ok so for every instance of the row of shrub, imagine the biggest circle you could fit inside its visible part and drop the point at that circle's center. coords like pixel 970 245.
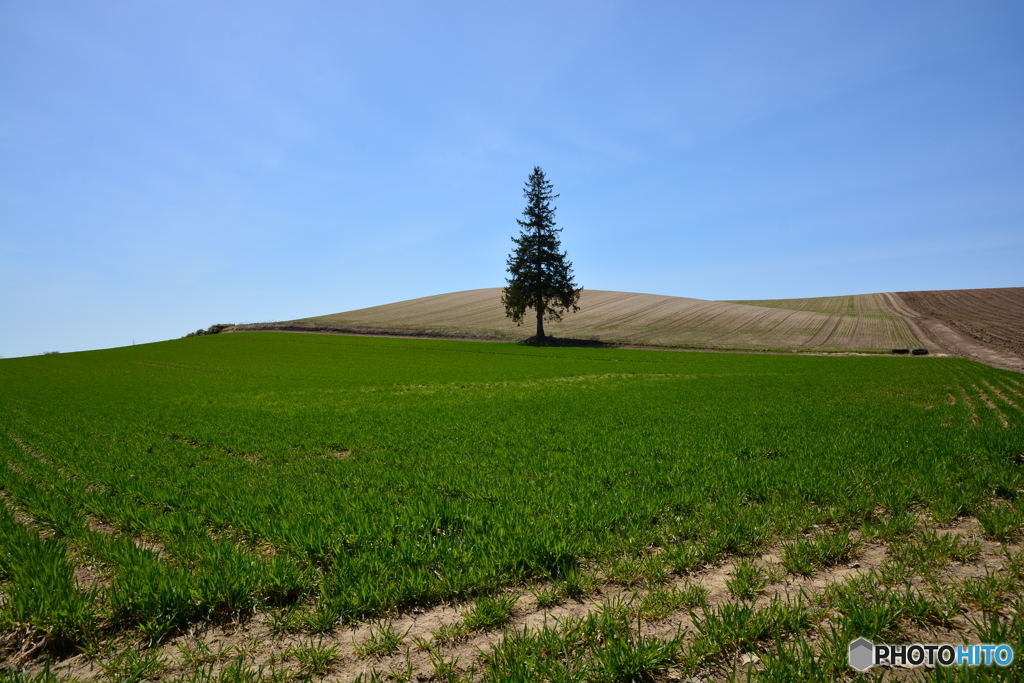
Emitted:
pixel 212 329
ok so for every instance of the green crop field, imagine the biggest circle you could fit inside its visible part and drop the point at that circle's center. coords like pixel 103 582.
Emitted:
pixel 314 481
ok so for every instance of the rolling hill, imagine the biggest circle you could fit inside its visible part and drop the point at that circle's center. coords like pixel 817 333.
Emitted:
pixel 859 323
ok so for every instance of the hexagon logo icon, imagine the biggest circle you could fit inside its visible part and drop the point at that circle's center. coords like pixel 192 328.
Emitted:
pixel 862 654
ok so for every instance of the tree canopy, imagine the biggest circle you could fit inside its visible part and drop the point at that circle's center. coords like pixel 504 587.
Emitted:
pixel 540 274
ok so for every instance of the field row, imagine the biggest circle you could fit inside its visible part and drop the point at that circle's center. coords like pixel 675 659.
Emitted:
pixel 858 305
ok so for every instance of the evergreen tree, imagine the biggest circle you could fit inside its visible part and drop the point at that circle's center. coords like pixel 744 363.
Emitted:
pixel 541 276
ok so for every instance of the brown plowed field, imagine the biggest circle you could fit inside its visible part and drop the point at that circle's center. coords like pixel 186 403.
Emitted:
pixel 859 305
pixel 858 323
pixel 985 324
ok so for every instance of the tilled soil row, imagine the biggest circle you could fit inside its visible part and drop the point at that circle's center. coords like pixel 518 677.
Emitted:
pixel 986 325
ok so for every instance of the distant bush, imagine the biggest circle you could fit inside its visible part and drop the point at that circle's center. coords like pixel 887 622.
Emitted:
pixel 212 329
pixel 901 350
pixel 920 352
pixel 50 353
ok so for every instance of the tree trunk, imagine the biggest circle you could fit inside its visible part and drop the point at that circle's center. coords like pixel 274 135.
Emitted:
pixel 539 304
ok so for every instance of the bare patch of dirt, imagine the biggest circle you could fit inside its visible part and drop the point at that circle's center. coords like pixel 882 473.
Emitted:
pixel 87 576
pixel 986 325
pixel 19 515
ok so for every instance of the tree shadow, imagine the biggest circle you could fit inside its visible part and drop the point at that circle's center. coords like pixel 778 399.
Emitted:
pixel 565 341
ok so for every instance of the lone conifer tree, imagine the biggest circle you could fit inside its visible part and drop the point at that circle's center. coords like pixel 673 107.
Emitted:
pixel 541 276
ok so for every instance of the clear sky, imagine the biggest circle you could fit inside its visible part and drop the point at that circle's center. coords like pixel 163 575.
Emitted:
pixel 169 165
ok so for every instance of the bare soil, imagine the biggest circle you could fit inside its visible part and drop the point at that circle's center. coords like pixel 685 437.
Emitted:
pixel 986 325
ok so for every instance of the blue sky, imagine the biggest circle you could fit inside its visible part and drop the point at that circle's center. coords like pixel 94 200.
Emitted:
pixel 169 165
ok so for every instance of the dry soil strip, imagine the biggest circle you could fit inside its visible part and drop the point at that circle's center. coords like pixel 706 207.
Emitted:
pixel 951 341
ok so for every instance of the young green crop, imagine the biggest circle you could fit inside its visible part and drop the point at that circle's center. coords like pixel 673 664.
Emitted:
pixel 344 477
